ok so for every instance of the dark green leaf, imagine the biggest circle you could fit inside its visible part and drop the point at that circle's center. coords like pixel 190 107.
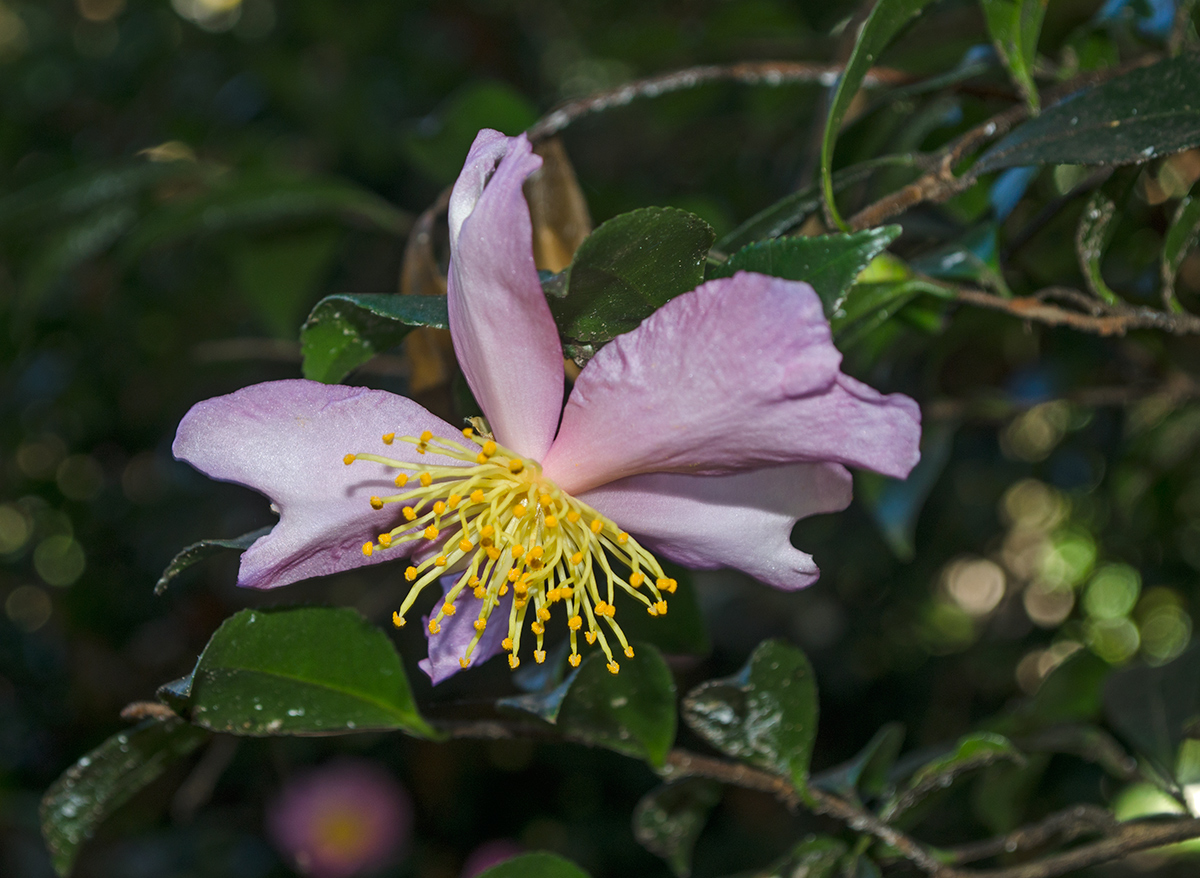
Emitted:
pixel 973 752
pixel 544 705
pixel 668 820
pixel 197 552
pixel 75 244
pixel 765 714
pixel 1151 707
pixel 682 630
pixel 280 273
pixel 830 263
pixel 815 857
pixel 1145 113
pixel 884 22
pixel 345 330
pixel 1073 692
pixel 301 671
pixel 870 305
pixel 632 712
pixel 1181 237
pixel 627 269
pixel 80 192
pixel 1014 26
pixel 103 780
pixel 1091 237
pixel 536 865
pixel 865 776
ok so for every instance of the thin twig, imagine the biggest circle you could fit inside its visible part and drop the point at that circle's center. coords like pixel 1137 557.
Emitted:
pixel 1103 319
pixel 1063 826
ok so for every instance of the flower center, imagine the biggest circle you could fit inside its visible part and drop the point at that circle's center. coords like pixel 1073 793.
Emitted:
pixel 500 524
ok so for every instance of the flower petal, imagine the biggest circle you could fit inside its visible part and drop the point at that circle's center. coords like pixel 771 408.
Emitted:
pixel 742 520
pixel 738 374
pixel 448 645
pixel 504 336
pixel 286 439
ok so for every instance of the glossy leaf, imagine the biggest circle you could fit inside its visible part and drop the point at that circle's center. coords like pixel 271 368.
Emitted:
pixel 348 329
pixel 632 712
pixel 535 865
pixel 1014 26
pixel 197 552
pixel 884 22
pixel 1133 118
pixel 668 820
pixel 1091 237
pixel 818 856
pixel 865 776
pixel 1151 707
pixel 628 268
pixel 830 263
pixel 1180 239
pixel 103 780
pixel 973 752
pixel 303 671
pixel 766 714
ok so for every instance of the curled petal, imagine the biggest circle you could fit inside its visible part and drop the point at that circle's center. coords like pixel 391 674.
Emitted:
pixel 738 374
pixel 287 439
pixel 448 645
pixel 504 335
pixel 743 520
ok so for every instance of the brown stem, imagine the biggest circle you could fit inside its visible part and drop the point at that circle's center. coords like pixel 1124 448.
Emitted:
pixel 1103 319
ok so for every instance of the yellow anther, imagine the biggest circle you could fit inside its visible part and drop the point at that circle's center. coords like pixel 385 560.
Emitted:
pixel 597 525
pixel 441 560
pixel 622 538
pixel 669 588
pixel 553 595
pixel 590 636
pixel 661 606
pixel 411 573
pixel 513 661
pixel 572 516
pixel 518 550
pixel 448 608
pixel 516 465
pixel 480 592
pixel 426 480
pixel 564 591
pixel 453 500
pixel 551 521
pixel 487 531
pixel 431 533
pixel 492 552
pixel 520 589
pixel 473 581
pixel 481 458
pixel 636 579
pixel 545 500
pixel 426 435
pixel 518 510
pixel 629 652
pixel 514 575
pixel 439 508
pixel 368 548
pixel 464 663
pixel 536 552
pixel 574 658
pixel 575 623
pixel 401 480
pixel 477 496
pixel 539 655
pixel 376 502
pixel 537 628
pixel 613 667
pixel 577 558
pixel 652 610
pixel 385 540
pixel 506 643
pixel 480 624
pixel 389 438
pixel 348 459
pixel 543 614
pixel 397 620
pixel 434 627
pixel 489 448
pixel 468 432
pixel 465 545
pixel 410 514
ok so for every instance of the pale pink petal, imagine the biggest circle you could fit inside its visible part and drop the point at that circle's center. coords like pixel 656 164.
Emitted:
pixel 504 336
pixel 448 645
pixel 742 520
pixel 738 374
pixel 286 439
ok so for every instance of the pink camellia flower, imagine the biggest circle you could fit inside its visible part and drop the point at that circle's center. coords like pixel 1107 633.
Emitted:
pixel 703 436
pixel 341 819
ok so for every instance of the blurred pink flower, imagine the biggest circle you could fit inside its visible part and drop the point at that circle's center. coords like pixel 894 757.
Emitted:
pixel 341 819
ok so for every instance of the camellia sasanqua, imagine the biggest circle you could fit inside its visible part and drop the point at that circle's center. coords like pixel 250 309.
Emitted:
pixel 701 436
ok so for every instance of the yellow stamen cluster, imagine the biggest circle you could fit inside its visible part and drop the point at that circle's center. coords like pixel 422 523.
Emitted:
pixel 501 524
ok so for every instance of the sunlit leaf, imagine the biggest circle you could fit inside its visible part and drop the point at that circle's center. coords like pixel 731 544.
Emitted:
pixel 1014 26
